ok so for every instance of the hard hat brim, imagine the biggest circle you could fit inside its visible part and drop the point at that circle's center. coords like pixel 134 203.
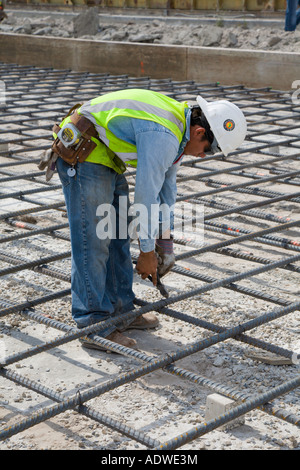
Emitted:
pixel 202 103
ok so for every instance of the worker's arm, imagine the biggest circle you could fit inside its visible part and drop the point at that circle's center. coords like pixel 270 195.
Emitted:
pixel 164 243
pixel 157 149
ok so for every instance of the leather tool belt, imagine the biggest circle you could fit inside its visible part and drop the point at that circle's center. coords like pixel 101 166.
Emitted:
pixel 80 151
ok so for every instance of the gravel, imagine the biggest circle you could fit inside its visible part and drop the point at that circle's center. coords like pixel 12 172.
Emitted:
pixel 88 25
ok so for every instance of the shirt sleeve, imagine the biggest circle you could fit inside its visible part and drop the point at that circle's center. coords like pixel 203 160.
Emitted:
pixel 168 195
pixel 157 149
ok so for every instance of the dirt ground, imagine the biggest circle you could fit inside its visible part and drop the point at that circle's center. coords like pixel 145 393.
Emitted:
pixel 159 405
pixel 234 30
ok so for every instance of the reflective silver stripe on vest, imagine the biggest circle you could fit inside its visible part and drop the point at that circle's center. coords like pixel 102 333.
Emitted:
pixel 135 106
pixel 102 134
pixel 126 156
pixel 101 130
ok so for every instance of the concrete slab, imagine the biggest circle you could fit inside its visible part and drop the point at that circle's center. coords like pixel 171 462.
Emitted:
pixel 250 68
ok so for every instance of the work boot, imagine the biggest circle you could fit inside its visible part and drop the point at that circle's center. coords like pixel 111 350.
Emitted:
pixel 143 322
pixel 115 337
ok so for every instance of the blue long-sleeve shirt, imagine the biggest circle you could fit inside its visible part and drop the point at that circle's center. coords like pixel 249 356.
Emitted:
pixel 159 157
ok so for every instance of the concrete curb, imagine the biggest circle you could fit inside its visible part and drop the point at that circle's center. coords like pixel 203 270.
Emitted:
pixel 201 64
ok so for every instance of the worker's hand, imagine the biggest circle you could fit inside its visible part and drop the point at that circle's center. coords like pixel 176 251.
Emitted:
pixel 166 256
pixel 147 265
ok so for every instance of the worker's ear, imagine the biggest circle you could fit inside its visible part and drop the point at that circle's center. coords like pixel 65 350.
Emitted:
pixel 197 131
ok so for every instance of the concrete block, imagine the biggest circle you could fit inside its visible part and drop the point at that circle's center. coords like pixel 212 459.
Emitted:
pixel 247 67
pixel 269 358
pixel 4 147
pixel 217 405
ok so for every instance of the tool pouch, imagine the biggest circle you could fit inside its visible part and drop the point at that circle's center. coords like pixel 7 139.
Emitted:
pixel 80 151
pixel 73 155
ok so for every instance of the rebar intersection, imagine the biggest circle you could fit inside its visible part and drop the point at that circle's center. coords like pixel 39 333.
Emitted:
pixel 247 263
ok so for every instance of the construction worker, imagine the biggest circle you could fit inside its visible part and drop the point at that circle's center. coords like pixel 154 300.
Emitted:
pixel 292 15
pixel 93 146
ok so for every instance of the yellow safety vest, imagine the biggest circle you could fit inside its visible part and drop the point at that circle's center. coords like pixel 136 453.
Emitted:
pixel 134 103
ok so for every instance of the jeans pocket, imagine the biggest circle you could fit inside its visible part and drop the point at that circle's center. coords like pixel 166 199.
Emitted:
pixel 62 168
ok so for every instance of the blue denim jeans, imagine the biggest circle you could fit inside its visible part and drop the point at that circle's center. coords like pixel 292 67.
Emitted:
pixel 102 271
pixel 292 15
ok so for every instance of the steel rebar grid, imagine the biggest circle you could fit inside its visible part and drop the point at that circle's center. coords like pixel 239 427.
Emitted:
pixel 155 363
pixel 229 415
pixel 249 98
pixel 156 306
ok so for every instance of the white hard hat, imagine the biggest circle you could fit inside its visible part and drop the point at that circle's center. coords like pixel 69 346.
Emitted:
pixel 227 122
